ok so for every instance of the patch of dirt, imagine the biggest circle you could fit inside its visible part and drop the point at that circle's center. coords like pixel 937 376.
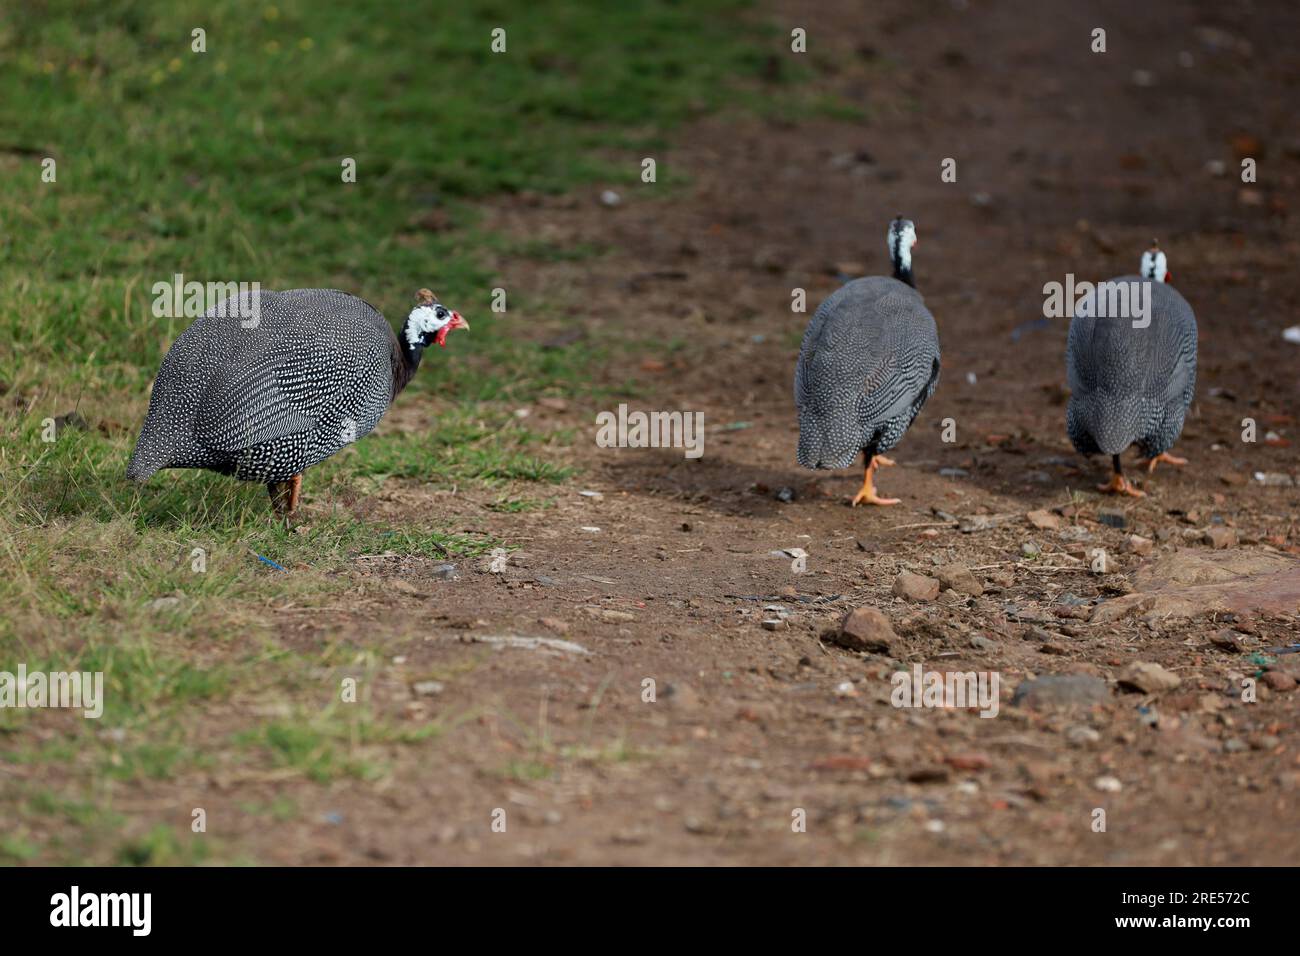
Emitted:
pixel 1068 161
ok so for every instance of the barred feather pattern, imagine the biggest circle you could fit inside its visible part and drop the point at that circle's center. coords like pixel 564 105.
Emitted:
pixel 264 403
pixel 868 362
pixel 1131 385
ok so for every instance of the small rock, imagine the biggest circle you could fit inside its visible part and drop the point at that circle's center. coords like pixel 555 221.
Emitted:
pixel 916 587
pixel 969 761
pixel 959 578
pixel 427 688
pixel 555 625
pixel 1234 745
pixel 1108 784
pixel 1219 537
pixel 610 199
pixel 866 629
pixel 1081 735
pixel 845 689
pixel 934 774
pixel 163 603
pixel 1044 520
pixel 445 572
pixel 1030 549
pixel 1227 640
pixel 1061 690
pixel 617 617
pixel 1148 677
pixel 1136 544
pixel 1276 680
pixel 982 643
pixel 773 624
pixel 785 495
pixel 1112 519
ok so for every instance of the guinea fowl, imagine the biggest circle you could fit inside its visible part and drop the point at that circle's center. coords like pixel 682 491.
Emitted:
pixel 869 361
pixel 264 400
pixel 1132 382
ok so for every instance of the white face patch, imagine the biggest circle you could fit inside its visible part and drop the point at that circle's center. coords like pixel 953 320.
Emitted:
pixel 424 320
pixel 904 235
pixel 1154 265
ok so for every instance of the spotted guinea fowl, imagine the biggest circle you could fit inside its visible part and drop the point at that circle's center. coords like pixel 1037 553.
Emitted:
pixel 1132 379
pixel 869 361
pixel 266 385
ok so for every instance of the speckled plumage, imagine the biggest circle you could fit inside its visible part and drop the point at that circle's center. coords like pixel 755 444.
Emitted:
pixel 263 404
pixel 868 362
pixel 1131 385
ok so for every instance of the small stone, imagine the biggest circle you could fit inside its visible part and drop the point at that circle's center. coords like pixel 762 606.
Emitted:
pixel 1219 537
pixel 1044 520
pixel 1234 745
pixel 845 689
pixel 1228 640
pixel 935 774
pixel 969 761
pixel 773 624
pixel 982 643
pixel 958 577
pixel 1276 680
pixel 610 199
pixel 1081 735
pixel 866 629
pixel 1061 690
pixel 785 495
pixel 1030 549
pixel 1136 544
pixel 427 688
pixel 1003 578
pixel 1108 784
pixel 1148 677
pixel 163 603
pixel 445 572
pixel 555 625
pixel 916 587
pixel 617 617
pixel 1112 519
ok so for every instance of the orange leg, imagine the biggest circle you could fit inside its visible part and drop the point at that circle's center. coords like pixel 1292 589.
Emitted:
pixel 1118 484
pixel 868 492
pixel 285 495
pixel 1164 456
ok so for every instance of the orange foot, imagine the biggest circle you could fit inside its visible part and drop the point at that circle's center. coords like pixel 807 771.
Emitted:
pixel 868 492
pixel 285 495
pixel 1164 456
pixel 1119 485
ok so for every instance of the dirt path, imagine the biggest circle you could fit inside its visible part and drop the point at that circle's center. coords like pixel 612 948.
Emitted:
pixel 751 725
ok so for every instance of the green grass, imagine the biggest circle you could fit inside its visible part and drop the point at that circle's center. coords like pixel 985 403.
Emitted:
pixel 226 166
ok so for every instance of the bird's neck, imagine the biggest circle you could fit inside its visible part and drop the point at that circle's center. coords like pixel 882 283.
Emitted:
pixel 902 258
pixel 406 359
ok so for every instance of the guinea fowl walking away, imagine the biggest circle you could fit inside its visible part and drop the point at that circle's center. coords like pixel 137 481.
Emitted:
pixel 869 361
pixel 1132 383
pixel 265 400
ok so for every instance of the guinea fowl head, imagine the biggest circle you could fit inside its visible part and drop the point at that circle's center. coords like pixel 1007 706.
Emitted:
pixel 902 237
pixel 430 321
pixel 1154 264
